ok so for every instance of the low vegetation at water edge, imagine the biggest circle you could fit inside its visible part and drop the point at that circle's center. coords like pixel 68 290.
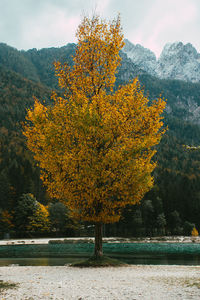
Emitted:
pixel 7 285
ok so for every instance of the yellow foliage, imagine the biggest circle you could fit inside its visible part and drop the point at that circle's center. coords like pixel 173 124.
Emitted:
pixel 6 219
pixel 95 145
pixel 194 232
pixel 40 222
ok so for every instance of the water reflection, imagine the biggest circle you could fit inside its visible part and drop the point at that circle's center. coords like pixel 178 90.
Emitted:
pixel 164 259
pixel 144 259
pixel 43 261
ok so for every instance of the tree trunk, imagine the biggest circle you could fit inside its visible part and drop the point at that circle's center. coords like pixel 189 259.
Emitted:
pixel 98 250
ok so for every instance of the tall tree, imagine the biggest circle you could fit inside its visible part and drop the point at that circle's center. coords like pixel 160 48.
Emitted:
pixel 25 209
pixel 95 145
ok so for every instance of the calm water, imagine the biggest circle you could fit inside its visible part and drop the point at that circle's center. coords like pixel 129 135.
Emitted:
pixel 145 259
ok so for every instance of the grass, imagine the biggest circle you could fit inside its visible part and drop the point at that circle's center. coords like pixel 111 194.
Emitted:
pixel 185 282
pixel 7 285
pixel 103 261
pixel 192 282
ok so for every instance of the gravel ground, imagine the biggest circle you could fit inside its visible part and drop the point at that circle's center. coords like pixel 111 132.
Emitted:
pixel 132 282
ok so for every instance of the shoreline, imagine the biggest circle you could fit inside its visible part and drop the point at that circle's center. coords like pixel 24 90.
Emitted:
pixel 131 282
pixel 163 239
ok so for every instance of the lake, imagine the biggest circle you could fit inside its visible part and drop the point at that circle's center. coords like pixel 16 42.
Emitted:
pixel 136 259
pixel 130 253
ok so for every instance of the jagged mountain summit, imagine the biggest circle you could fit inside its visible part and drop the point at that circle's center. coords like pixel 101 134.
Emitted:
pixel 142 57
pixel 177 61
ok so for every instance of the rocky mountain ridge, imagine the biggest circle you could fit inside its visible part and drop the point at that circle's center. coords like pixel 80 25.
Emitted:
pixel 183 97
pixel 177 61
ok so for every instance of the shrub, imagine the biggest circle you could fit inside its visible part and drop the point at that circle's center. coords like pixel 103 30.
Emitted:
pixel 194 232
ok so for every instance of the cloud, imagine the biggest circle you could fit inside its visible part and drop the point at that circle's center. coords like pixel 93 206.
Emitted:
pixel 164 22
pixel 28 24
pixel 44 23
pixel 52 27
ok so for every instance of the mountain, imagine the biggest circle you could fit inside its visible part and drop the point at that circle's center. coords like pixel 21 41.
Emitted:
pixel 142 57
pixel 15 60
pixel 43 60
pixel 36 65
pixel 16 95
pixel 24 74
pixel 183 98
pixel 177 61
pixel 18 173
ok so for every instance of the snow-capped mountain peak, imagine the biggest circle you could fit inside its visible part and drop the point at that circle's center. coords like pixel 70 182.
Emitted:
pixel 141 56
pixel 178 48
pixel 177 61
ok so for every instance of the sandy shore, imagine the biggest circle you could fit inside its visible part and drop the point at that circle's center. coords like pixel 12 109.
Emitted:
pixel 132 282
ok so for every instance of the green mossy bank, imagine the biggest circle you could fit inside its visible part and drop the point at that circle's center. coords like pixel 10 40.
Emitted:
pixel 86 249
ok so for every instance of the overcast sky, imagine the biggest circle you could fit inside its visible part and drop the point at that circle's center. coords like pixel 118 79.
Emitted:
pixel 26 24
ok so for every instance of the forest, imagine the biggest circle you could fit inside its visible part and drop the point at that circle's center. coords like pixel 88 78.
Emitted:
pixel 172 207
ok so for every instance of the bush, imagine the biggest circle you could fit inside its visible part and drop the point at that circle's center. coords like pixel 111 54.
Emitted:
pixel 188 227
pixel 194 232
